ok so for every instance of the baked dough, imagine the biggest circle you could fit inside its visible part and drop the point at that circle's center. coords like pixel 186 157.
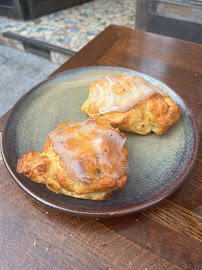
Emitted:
pixel 85 160
pixel 131 103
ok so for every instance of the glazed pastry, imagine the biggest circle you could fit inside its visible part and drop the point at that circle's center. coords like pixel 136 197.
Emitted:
pixel 131 103
pixel 85 160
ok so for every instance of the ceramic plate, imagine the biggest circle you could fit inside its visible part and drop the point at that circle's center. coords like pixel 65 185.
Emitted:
pixel 158 164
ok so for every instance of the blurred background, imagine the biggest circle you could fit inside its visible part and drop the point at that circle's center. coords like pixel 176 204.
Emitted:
pixel 37 36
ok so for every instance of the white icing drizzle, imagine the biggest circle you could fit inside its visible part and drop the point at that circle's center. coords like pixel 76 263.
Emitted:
pixel 73 165
pixel 122 93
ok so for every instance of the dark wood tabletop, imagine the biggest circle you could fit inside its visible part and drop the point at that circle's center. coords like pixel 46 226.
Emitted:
pixel 165 236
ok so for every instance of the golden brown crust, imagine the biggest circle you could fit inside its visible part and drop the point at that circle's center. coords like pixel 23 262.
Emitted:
pixel 48 168
pixel 156 113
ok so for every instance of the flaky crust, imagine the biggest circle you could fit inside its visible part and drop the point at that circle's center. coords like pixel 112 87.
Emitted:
pixel 48 168
pixel 156 113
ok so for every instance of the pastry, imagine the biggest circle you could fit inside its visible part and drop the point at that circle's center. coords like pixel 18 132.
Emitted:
pixel 131 103
pixel 85 160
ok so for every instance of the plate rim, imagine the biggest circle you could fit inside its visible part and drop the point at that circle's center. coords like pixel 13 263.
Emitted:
pixel 133 208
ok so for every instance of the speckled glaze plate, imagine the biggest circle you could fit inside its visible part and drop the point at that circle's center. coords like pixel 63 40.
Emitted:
pixel 158 164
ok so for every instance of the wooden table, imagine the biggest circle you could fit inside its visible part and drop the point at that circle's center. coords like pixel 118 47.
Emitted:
pixel 165 236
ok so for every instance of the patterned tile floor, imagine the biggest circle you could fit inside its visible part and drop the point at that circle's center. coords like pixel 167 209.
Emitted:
pixel 74 27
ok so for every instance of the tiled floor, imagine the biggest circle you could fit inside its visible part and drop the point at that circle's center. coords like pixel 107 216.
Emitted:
pixel 74 27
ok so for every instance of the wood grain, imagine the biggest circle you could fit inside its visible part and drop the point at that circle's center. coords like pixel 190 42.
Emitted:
pixel 165 236
pixel 1 159
pixel 158 237
pixel 186 222
pixel 86 235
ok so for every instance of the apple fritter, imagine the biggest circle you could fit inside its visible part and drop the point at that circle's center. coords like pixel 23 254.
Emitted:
pixel 85 160
pixel 131 103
